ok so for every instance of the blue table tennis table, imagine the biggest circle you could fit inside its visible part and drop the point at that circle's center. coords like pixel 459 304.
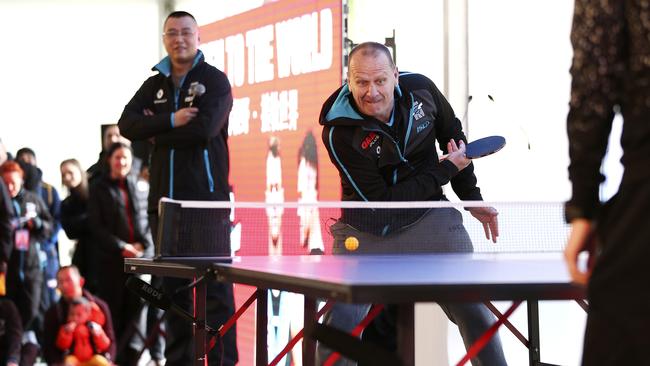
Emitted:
pixel 399 279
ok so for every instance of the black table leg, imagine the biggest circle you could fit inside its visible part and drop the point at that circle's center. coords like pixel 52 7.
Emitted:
pixel 200 334
pixel 533 332
pixel 261 328
pixel 308 343
pixel 406 333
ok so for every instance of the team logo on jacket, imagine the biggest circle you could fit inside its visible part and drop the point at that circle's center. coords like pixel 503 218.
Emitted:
pixel 417 112
pixel 422 126
pixel 159 94
pixel 369 140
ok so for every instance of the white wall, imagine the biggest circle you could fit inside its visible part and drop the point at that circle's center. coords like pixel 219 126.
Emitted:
pixel 520 53
pixel 68 67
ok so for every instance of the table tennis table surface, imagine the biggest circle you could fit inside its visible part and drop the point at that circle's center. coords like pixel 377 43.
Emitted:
pixel 390 278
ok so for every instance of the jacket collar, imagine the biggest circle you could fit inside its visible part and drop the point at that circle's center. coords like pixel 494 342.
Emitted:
pixel 165 65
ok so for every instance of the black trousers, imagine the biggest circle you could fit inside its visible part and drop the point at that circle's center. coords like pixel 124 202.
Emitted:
pixel 220 306
pixel 619 290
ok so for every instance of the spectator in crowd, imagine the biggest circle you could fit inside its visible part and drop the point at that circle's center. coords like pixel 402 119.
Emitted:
pixel 110 135
pixel 70 284
pixel 82 338
pixel 32 224
pixel 114 220
pixel 26 157
pixel 74 219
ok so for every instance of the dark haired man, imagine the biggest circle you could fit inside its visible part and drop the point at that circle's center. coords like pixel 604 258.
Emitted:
pixel 189 161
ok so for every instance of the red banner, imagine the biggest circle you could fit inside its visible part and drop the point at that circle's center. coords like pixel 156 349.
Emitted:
pixel 283 60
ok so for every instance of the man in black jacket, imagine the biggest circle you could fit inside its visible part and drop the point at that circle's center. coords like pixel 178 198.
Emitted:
pixel 610 71
pixel 380 130
pixel 189 159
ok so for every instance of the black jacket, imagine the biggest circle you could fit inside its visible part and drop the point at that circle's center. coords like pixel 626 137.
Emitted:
pixel 190 162
pixel 610 69
pixel 75 222
pixel 108 219
pixel 39 231
pixel 377 162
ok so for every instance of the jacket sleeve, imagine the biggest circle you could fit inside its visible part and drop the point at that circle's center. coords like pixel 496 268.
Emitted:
pixel 463 183
pixel 42 232
pixel 134 125
pixel 141 232
pixel 74 223
pixel 108 329
pixel 214 108
pixel 101 340
pixel 598 59
pixel 363 176
pixel 64 338
pixel 54 208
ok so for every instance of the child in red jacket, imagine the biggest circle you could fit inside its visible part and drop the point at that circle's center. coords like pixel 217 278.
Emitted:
pixel 82 337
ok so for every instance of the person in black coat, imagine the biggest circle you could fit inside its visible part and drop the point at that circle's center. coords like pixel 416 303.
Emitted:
pixel 32 224
pixel 116 226
pixel 75 222
pixel 611 76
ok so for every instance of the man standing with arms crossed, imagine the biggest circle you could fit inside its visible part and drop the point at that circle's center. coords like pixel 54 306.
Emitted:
pixel 189 161
pixel 380 130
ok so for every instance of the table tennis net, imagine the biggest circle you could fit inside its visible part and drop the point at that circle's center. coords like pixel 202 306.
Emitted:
pixel 199 228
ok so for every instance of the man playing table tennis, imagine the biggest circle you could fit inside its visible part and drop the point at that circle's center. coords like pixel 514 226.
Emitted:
pixel 380 130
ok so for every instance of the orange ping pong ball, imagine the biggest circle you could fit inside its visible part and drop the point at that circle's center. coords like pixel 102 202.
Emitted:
pixel 351 243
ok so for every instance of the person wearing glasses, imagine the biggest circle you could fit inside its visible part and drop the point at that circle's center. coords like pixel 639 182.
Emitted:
pixel 183 112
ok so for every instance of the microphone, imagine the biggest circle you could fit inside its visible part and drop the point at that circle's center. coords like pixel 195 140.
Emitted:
pixel 159 299
pixel 196 90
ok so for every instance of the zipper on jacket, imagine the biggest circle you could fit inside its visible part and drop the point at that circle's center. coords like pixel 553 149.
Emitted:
pixel 408 129
pixel 171 173
pixel 399 151
pixel 177 94
pixel 208 171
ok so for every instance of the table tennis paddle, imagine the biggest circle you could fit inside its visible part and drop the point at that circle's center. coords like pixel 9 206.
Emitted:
pixel 484 146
